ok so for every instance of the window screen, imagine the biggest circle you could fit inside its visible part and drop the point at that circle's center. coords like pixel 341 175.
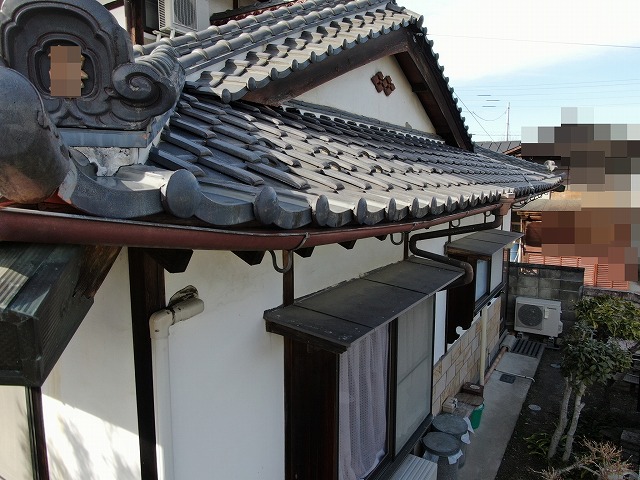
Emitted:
pixel 415 347
pixel 482 279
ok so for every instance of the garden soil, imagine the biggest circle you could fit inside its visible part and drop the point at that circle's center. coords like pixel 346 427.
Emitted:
pixel 608 411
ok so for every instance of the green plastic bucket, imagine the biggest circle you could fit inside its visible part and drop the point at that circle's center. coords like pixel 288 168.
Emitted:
pixel 476 416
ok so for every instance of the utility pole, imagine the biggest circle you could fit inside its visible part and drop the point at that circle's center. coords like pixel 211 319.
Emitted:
pixel 508 108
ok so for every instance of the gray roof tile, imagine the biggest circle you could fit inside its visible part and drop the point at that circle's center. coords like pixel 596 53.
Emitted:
pixel 228 162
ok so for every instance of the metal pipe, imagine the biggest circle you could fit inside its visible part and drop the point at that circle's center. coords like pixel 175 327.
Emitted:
pixel 23 225
pixel 484 314
pixel 159 324
pixel 499 212
pixel 507 344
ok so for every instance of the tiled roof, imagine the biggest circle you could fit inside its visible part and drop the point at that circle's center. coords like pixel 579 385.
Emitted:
pixel 552 204
pixel 242 55
pixel 221 161
pixel 248 164
pixel 519 162
pixel 500 147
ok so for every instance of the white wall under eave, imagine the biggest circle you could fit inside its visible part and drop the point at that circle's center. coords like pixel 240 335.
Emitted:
pixel 332 264
pixel 355 93
pixel 89 398
pixel 15 447
pixel 227 372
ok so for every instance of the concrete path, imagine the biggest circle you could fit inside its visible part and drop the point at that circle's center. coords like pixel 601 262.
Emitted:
pixel 502 402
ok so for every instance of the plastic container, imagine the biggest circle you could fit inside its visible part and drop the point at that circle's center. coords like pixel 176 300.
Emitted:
pixel 444 450
pixel 455 426
pixel 476 416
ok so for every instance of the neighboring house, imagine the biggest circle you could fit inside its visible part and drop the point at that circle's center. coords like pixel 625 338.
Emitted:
pixel 323 131
pixel 595 223
pixel 506 147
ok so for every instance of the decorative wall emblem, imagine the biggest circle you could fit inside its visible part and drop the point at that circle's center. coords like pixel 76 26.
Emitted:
pixel 117 91
pixel 383 84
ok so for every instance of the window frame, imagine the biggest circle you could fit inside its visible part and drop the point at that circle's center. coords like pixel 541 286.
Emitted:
pixel 462 307
pixel 312 442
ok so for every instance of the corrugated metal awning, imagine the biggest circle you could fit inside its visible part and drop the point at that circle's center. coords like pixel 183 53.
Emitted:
pixel 335 318
pixel 485 243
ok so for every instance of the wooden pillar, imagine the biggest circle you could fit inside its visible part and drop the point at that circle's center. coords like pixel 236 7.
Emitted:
pixel 134 14
pixel 38 439
pixel 146 279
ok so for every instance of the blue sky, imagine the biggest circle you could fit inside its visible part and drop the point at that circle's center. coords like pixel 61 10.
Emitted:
pixel 530 59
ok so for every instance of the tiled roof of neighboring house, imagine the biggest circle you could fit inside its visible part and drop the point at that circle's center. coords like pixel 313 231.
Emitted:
pixel 552 204
pixel 297 166
pixel 536 167
pixel 500 147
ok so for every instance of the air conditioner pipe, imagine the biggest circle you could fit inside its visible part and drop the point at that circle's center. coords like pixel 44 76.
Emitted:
pixel 507 344
pixel 159 324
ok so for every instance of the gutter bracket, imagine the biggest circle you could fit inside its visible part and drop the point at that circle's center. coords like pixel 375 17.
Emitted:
pixel 285 268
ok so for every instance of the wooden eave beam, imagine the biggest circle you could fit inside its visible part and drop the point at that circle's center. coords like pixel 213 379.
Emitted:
pixel 415 59
pixel 421 68
pixel 299 82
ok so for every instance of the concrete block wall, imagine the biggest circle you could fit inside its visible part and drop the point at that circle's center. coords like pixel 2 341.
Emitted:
pixel 549 282
pixel 461 362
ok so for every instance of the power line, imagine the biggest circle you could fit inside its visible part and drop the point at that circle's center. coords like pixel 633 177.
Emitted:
pixel 474 116
pixel 558 87
pixel 552 84
pixel 485 119
pixel 561 97
pixel 538 41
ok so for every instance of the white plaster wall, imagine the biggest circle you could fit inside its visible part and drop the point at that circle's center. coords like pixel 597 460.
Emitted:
pixel 15 449
pixel 332 264
pixel 227 373
pixel 89 398
pixel 119 15
pixel 355 93
pixel 439 331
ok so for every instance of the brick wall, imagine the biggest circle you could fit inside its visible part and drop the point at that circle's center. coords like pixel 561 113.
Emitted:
pixel 461 363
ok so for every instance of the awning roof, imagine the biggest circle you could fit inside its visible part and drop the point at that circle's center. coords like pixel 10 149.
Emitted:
pixel 45 292
pixel 335 318
pixel 484 243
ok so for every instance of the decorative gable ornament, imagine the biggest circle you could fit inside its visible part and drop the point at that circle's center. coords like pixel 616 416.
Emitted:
pixel 118 91
pixel 383 84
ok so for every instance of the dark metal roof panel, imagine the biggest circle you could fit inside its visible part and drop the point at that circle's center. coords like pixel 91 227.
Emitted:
pixel 484 243
pixel 363 302
pixel 336 317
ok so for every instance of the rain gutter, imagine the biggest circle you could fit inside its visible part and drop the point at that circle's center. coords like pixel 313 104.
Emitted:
pixel 24 225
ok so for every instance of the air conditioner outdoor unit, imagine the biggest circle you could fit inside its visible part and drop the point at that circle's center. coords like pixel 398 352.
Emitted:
pixel 535 315
pixel 181 16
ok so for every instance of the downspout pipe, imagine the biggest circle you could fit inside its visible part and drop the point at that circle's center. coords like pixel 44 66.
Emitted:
pixel 159 324
pixel 484 319
pixel 505 205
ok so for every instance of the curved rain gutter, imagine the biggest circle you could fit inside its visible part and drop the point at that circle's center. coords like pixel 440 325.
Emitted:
pixel 23 225
pixel 499 212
